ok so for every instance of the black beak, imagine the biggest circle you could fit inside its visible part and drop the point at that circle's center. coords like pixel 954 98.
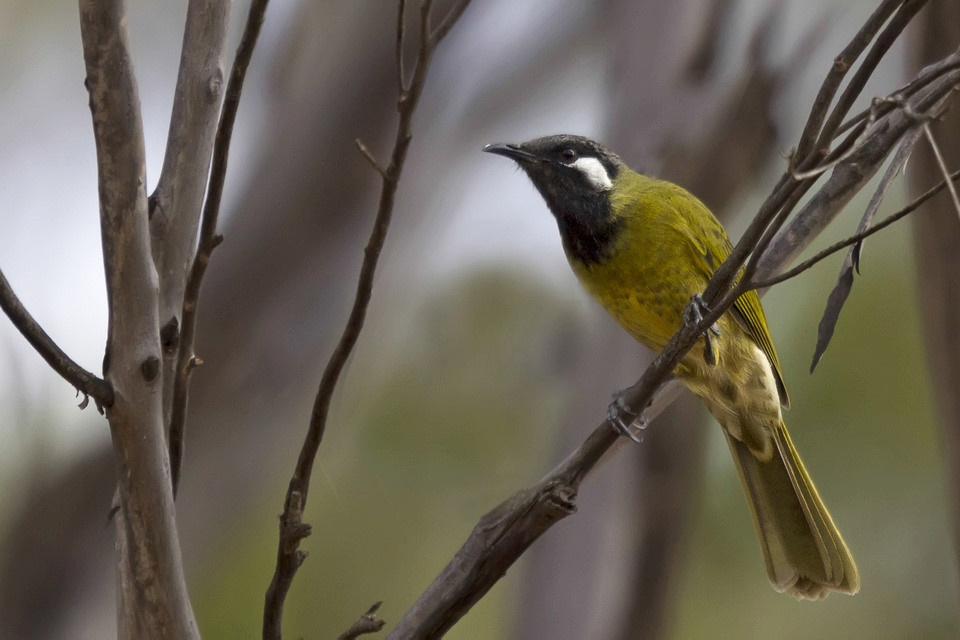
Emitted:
pixel 512 151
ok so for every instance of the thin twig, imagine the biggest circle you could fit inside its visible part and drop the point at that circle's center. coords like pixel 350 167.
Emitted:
pixel 401 74
pixel 367 623
pixel 857 237
pixel 841 65
pixel 843 151
pixel 943 166
pixel 369 156
pixel 176 203
pixel 923 79
pixel 209 239
pixel 152 593
pixel 884 41
pixel 292 529
pixel 448 21
pixel 81 379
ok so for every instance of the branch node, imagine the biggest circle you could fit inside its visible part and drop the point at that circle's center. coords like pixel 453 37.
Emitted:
pixel 369 156
pixel 170 336
pixel 367 623
pixel 150 368
pixel 215 85
pixel 299 555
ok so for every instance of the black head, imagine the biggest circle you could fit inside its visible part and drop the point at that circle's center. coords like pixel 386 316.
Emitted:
pixel 575 176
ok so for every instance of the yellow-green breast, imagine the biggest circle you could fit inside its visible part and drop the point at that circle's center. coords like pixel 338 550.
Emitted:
pixel 667 248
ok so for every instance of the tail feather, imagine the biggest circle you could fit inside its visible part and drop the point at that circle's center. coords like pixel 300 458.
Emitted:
pixel 802 548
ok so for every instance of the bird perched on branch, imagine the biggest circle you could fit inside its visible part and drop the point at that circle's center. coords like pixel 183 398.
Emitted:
pixel 645 249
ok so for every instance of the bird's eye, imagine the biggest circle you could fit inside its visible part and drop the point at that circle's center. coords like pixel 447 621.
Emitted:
pixel 568 155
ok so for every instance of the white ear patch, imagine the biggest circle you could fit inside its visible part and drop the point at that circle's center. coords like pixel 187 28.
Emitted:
pixel 595 173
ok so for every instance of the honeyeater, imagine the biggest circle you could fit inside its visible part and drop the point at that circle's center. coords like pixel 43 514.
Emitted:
pixel 644 248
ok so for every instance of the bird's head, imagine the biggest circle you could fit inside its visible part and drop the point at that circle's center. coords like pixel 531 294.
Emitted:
pixel 576 177
pixel 564 168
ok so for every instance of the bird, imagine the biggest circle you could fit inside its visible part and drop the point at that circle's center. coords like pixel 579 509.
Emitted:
pixel 645 249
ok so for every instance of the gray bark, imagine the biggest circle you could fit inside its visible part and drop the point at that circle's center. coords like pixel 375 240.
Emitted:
pixel 152 595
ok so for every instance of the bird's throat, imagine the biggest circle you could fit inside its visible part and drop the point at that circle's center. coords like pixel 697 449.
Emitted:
pixel 589 231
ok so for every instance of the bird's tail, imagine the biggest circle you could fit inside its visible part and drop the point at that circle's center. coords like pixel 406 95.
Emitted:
pixel 803 550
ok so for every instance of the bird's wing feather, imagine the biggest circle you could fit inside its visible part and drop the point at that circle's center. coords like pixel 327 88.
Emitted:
pixel 714 248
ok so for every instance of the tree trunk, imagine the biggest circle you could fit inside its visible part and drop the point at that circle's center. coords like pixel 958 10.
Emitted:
pixel 936 232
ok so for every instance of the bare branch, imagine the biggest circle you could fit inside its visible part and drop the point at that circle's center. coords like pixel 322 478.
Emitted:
pixel 151 587
pixel 943 167
pixel 855 238
pixel 176 202
pixel 292 531
pixel 174 207
pixel 81 379
pixel 368 623
pixel 209 239
pixel 401 74
pixel 369 157
pixel 923 79
pixel 841 65
pixel 448 21
pixel 885 132
pixel 884 41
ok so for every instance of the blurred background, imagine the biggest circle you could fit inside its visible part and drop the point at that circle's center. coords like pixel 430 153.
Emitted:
pixel 482 363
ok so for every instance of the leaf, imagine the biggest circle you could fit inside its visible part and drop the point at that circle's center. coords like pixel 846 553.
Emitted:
pixel 841 290
pixel 831 314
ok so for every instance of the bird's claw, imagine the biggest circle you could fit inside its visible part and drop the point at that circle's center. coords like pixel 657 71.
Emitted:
pixel 694 316
pixel 618 407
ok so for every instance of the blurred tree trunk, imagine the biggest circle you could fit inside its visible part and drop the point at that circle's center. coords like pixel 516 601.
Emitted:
pixel 670 119
pixel 937 246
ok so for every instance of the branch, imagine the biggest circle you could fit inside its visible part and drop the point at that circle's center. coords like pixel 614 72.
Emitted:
pixel 881 107
pixel 884 133
pixel 362 148
pixel 152 592
pixel 398 55
pixel 292 529
pixel 367 623
pixel 440 32
pixel 174 207
pixel 841 64
pixel 908 9
pixel 503 534
pixel 948 181
pixel 855 238
pixel 209 239
pixel 81 379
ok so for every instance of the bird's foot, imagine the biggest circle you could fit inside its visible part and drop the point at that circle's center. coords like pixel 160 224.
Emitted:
pixel 635 421
pixel 692 316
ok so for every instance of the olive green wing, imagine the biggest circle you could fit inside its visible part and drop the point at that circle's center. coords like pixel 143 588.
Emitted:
pixel 714 247
pixel 749 314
